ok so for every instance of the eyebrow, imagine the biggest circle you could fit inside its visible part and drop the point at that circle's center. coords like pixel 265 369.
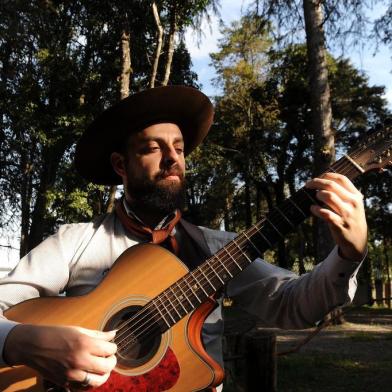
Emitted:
pixel 157 138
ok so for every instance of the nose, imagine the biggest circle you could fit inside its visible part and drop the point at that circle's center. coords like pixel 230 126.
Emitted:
pixel 170 156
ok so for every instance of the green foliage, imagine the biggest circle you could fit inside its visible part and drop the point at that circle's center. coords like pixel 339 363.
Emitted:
pixel 59 67
pixel 260 146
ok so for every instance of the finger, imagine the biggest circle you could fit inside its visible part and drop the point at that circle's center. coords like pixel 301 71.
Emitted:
pixel 329 216
pixel 100 365
pixel 332 186
pixel 103 335
pixel 78 377
pixel 102 348
pixel 342 180
pixel 333 201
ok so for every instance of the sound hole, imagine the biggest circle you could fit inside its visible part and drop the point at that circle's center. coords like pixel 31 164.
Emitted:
pixel 138 339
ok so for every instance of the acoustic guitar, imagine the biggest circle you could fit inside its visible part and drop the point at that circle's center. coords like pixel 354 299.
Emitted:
pixel 159 312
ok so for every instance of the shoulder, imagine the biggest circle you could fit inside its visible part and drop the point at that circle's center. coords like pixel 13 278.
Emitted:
pixel 77 229
pixel 72 235
pixel 216 239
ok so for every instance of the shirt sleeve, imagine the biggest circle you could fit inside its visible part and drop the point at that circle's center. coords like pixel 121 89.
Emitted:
pixel 43 272
pixel 280 298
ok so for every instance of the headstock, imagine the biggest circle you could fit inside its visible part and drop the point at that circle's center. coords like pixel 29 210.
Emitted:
pixel 375 151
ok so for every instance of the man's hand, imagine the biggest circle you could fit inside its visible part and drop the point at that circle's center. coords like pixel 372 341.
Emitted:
pixel 343 211
pixel 63 355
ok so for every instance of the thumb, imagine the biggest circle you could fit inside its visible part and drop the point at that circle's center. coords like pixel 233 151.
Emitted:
pixel 93 333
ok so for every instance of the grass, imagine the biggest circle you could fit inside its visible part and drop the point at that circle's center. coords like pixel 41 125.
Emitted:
pixel 364 336
pixel 374 309
pixel 331 372
pixel 362 362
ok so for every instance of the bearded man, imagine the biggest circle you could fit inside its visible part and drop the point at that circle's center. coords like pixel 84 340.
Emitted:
pixel 142 142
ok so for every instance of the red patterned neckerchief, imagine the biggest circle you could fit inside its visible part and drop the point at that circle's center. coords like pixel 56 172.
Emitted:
pixel 155 236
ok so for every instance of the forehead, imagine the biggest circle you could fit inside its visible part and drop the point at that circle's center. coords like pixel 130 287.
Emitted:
pixel 168 132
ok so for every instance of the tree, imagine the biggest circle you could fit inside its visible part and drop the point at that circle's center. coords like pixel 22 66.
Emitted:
pixel 315 15
pixel 263 128
pixel 382 26
pixel 62 63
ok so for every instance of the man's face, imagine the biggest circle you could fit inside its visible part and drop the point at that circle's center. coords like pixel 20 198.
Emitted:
pixel 155 168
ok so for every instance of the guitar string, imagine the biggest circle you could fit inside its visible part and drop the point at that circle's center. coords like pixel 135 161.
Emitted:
pixel 241 252
pixel 171 300
pixel 174 302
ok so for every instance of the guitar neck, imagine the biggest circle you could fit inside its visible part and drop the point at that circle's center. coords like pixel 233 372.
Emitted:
pixel 195 287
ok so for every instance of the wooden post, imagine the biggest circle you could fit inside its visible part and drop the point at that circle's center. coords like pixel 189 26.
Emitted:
pixel 379 291
pixel 250 361
pixel 387 291
pixel 260 349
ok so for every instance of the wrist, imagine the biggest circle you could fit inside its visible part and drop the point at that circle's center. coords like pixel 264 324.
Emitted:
pixel 354 256
pixel 13 345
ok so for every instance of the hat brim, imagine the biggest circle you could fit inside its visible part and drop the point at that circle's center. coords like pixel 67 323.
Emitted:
pixel 185 106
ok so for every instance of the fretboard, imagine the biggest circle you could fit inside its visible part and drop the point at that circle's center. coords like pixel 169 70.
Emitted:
pixel 195 287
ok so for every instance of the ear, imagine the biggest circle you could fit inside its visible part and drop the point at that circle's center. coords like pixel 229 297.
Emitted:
pixel 118 163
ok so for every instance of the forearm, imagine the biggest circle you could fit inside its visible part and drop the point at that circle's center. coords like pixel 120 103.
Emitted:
pixel 5 328
pixel 281 299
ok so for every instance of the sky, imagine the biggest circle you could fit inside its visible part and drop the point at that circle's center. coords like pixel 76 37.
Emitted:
pixel 376 66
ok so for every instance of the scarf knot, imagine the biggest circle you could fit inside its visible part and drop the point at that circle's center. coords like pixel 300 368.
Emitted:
pixel 155 236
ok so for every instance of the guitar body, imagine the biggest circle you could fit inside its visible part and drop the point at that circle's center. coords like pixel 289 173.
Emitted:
pixel 176 361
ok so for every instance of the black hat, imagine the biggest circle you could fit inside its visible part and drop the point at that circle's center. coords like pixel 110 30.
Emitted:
pixel 185 106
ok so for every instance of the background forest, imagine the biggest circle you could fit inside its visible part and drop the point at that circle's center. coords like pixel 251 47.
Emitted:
pixel 288 108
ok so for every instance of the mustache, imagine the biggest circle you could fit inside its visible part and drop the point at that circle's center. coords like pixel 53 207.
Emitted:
pixel 173 171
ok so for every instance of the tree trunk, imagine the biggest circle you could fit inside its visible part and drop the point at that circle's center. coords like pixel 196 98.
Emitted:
pixel 111 199
pixel 301 252
pixel 126 68
pixel 324 143
pixel 25 196
pixel 51 160
pixel 170 49
pixel 248 209
pixel 388 282
pixel 159 45
pixel 126 71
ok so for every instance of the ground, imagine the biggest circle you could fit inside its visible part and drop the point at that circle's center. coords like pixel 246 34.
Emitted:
pixel 355 356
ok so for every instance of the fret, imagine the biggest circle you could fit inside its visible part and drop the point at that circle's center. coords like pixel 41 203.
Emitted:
pixel 223 264
pixel 175 296
pixel 200 285
pixel 251 242
pixel 206 277
pixel 196 296
pixel 162 316
pixel 274 227
pixel 264 237
pixel 242 251
pixel 309 196
pixel 235 261
pixel 184 295
pixel 355 164
pixel 217 275
pixel 295 205
pixel 285 217
pixel 164 305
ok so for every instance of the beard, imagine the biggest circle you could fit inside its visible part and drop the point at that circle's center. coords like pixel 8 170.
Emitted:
pixel 159 196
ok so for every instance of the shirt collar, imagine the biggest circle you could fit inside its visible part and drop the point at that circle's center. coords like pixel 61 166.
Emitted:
pixel 161 225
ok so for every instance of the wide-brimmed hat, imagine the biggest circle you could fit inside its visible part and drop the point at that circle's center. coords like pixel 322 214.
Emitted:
pixel 185 106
